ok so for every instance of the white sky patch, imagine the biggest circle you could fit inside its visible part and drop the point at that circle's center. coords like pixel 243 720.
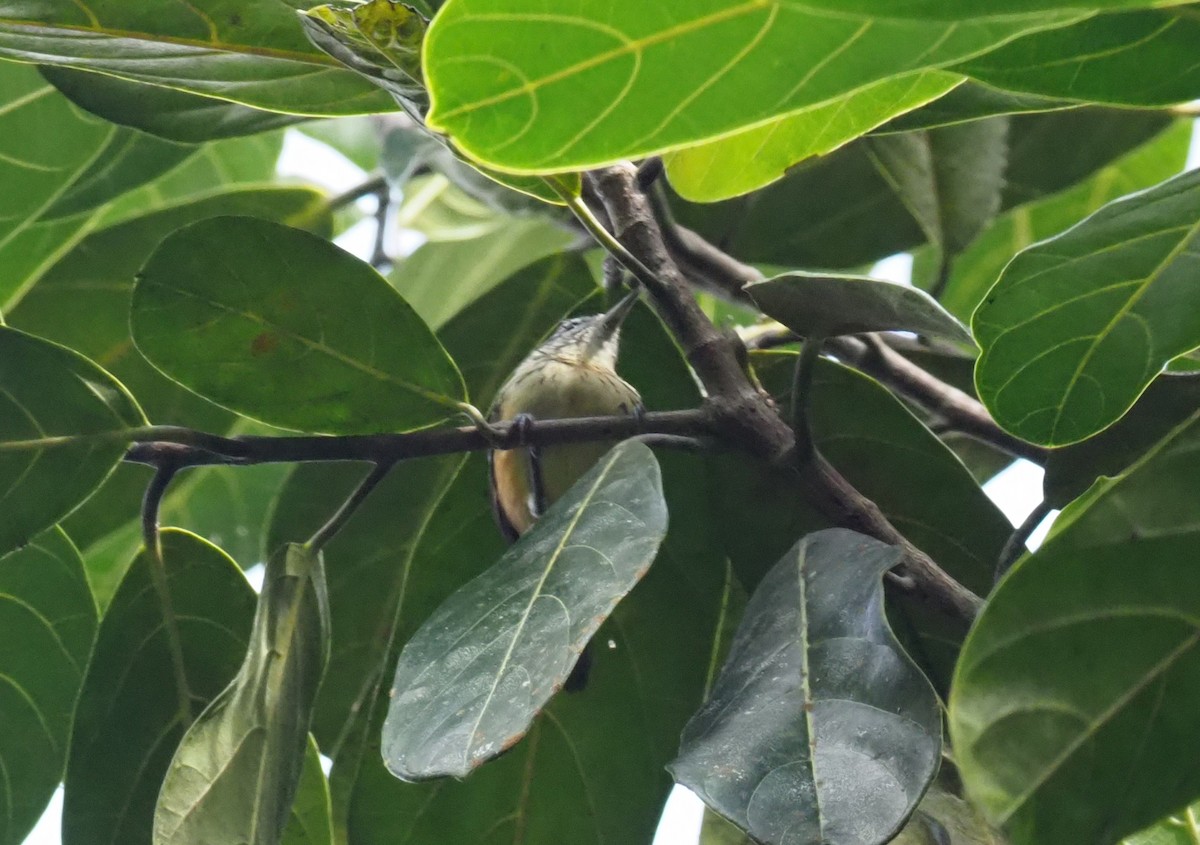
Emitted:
pixel 894 268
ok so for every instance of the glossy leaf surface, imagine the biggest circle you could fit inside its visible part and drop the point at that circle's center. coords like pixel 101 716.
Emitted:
pixel 132 711
pixel 825 306
pixel 236 771
pixel 509 638
pixel 48 390
pixel 819 730
pixel 752 158
pixel 1079 325
pixel 602 83
pixel 286 328
pixel 1078 678
pixel 49 623
pixel 248 52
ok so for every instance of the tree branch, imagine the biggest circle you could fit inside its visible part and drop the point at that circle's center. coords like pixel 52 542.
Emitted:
pixel 741 413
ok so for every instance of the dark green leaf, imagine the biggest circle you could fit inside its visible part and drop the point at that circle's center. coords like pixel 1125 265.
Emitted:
pixel 977 269
pixel 83 302
pixel 622 84
pixel 248 52
pixel 129 159
pixel 1079 325
pixel 514 632
pixel 1168 401
pixel 752 158
pixel 132 711
pixel 49 622
pixel 820 730
pixel 941 10
pixel 284 327
pixel 49 391
pixel 949 178
pixel 1179 829
pixel 825 306
pixel 311 821
pixel 1103 59
pixel 971 101
pixel 236 771
pixel 165 112
pixel 1075 689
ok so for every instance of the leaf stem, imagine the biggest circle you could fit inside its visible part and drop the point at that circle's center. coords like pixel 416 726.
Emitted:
pixel 1015 547
pixel 343 514
pixel 806 364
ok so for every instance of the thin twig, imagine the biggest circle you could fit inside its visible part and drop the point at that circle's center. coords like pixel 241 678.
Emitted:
pixel 374 186
pixel 151 503
pixel 1015 547
pixel 343 514
pixel 806 363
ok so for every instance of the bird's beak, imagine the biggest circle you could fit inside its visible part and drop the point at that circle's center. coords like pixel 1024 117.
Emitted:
pixel 610 321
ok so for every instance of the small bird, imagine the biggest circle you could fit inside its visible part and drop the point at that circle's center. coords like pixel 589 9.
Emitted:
pixel 572 374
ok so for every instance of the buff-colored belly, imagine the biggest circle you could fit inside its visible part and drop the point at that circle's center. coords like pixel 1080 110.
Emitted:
pixel 554 391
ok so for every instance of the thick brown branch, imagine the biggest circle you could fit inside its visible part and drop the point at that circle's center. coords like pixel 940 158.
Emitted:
pixel 742 414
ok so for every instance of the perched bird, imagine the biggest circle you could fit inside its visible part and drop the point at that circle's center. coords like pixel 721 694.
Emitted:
pixel 572 374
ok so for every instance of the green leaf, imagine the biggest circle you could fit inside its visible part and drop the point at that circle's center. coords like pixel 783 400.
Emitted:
pixel 286 328
pixel 1168 401
pixel 236 771
pixel 752 158
pixel 1079 325
pixel 971 101
pixel 541 603
pixel 442 278
pixel 253 53
pixel 1103 59
pixel 49 623
pixel 949 178
pixel 619 83
pixel 129 159
pixel 1074 692
pixel 50 391
pixel 820 730
pixel 132 712
pixel 1149 163
pixel 826 306
pixel 83 302
pixel 311 819
pixel 380 39
pixel 165 112
pixel 942 10
pixel 1180 829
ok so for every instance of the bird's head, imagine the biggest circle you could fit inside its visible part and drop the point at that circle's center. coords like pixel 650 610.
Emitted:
pixel 592 339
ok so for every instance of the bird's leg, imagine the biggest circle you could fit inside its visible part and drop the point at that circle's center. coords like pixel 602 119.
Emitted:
pixel 523 423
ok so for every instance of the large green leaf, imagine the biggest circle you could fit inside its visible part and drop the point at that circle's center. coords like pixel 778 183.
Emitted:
pixel 943 10
pixel 165 112
pixel 612 82
pixel 1075 690
pixel 825 306
pixel 49 622
pixel 1079 325
pixel 1103 59
pixel 132 711
pixel 1168 401
pixel 129 159
pixel 471 680
pixel 950 178
pixel 1179 829
pixel 251 51
pixel 83 303
pixel 747 160
pixel 977 269
pixel 971 101
pixel 48 390
pixel 311 821
pixel 236 770
pixel 820 730
pixel 284 327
